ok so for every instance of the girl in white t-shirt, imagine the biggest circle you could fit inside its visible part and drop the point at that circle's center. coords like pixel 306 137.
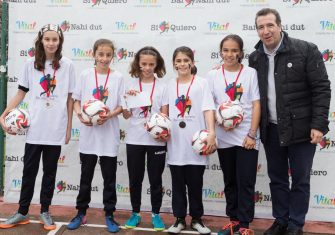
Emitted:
pixel 50 79
pixel 102 140
pixel 190 109
pixel 146 64
pixel 238 147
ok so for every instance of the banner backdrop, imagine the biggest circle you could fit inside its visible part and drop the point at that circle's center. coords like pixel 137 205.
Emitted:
pixel 165 24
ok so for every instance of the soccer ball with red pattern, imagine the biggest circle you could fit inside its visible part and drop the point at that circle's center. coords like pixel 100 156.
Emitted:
pixel 93 109
pixel 18 120
pixel 229 114
pixel 197 141
pixel 158 125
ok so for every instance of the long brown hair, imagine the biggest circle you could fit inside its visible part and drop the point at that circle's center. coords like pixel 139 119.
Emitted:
pixel 40 56
pixel 135 70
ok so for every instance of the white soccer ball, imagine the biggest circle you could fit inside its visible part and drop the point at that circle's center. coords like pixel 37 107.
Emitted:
pixel 158 125
pixel 18 120
pixel 197 144
pixel 93 109
pixel 229 114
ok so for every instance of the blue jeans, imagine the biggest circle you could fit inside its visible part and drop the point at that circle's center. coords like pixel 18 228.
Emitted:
pixel 289 202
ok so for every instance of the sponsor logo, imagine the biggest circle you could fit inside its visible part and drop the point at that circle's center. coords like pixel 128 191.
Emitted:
pixel 167 27
pixel 303 2
pixel 252 3
pixel 21 1
pixel 16 184
pixel 13 158
pixel 120 25
pixel 324 200
pixel 66 26
pixel 187 3
pixel 214 167
pixel 79 54
pixel 148 3
pixel 260 197
pixel 318 173
pixel 211 194
pixel 24 26
pixel 327 25
pixel 124 54
pixel 62 186
pixel 215 55
pixel 326 143
pixel 215 28
pixel 122 135
pixel 30 52
pixel 332 116
pixel 293 27
pixel 75 133
pixel 122 189
pixel 103 2
pixel 327 55
pixel 58 3
pixel 12 79
pixel 165 191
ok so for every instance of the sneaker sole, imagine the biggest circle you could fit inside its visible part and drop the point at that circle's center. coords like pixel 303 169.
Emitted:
pixel 50 227
pixel 159 229
pixel 13 225
pixel 128 226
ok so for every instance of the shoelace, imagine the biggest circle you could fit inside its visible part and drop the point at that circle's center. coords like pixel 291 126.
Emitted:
pixel 246 231
pixel 230 227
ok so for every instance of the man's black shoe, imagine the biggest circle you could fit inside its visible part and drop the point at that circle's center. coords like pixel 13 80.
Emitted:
pixel 294 232
pixel 276 229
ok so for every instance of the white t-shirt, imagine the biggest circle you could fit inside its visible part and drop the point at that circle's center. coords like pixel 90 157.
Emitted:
pixel 101 140
pixel 180 150
pixel 247 85
pixel 47 100
pixel 136 133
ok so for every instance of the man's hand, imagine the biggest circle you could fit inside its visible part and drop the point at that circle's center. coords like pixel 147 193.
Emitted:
pixel 316 136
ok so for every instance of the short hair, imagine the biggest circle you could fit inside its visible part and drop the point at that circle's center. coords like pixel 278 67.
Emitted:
pixel 266 11
pixel 135 69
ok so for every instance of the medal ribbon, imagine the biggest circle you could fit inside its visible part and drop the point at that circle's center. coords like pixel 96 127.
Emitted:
pixel 96 82
pixel 232 93
pixel 188 90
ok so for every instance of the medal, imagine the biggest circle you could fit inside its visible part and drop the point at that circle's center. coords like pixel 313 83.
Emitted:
pixel 182 124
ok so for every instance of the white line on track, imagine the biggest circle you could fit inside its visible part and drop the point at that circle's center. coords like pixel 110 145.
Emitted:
pixel 59 225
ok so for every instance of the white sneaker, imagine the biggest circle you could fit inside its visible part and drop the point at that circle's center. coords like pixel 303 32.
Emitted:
pixel 197 225
pixel 179 225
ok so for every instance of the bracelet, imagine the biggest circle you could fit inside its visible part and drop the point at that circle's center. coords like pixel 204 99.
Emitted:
pixel 251 137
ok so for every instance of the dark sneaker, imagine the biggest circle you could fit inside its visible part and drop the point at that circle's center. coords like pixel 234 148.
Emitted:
pixel 157 222
pixel 196 224
pixel 112 225
pixel 244 231
pixel 276 229
pixel 230 228
pixel 47 221
pixel 14 220
pixel 77 221
pixel 133 221
pixel 179 225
